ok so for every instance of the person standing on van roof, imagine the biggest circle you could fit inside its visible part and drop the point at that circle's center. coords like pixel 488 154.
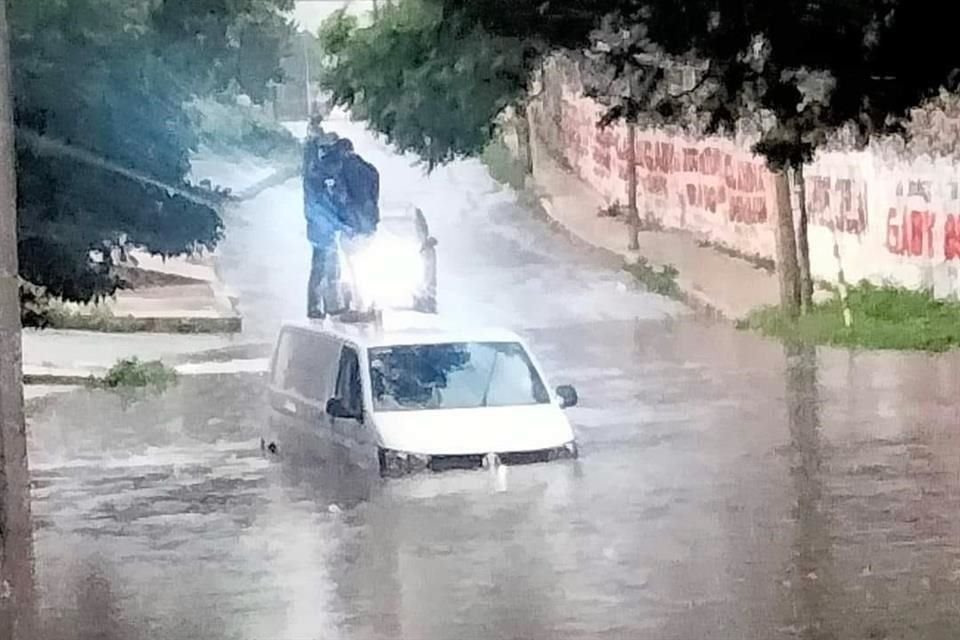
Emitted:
pixel 341 196
pixel 325 205
pixel 363 189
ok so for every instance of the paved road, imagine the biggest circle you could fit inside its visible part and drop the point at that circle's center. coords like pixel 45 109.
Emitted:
pixel 729 488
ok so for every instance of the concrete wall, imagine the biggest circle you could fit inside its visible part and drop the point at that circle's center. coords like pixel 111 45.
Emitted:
pixel 889 217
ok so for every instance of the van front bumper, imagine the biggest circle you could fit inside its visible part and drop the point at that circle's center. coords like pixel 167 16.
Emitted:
pixel 395 464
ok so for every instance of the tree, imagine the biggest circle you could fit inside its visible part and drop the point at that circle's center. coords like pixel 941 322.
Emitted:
pixel 16 577
pixel 103 84
pixel 798 71
pixel 432 84
pixel 213 43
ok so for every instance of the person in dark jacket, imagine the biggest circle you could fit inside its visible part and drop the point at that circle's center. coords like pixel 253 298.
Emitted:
pixel 325 203
pixel 363 187
pixel 341 196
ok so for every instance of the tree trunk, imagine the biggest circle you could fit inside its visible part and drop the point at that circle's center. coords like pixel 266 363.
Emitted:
pixel 376 10
pixel 787 269
pixel 633 216
pixel 523 139
pixel 803 245
pixel 16 535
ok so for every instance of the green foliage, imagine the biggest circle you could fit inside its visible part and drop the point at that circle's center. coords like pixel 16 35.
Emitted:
pixel 135 373
pixel 225 126
pixel 209 44
pixel 336 32
pixel 502 164
pixel 883 318
pixel 106 79
pixel 431 83
pixel 798 70
pixel 662 281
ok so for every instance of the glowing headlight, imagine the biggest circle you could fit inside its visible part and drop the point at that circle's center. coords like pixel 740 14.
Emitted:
pixel 387 271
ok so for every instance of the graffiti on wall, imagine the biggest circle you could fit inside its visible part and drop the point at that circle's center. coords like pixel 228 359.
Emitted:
pixel 914 225
pixel 893 217
pixel 657 163
pixel 731 184
pixel 576 133
pixel 839 204
pixel 670 169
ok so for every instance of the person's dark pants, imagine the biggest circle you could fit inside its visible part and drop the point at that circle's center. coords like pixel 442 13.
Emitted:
pixel 322 286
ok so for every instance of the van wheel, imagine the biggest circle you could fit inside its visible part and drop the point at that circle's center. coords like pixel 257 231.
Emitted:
pixel 382 463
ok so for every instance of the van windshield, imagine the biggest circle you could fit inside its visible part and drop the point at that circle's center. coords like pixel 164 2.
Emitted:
pixel 464 375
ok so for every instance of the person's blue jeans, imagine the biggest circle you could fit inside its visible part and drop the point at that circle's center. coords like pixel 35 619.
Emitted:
pixel 324 278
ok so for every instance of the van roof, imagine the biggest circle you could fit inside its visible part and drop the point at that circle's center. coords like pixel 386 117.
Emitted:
pixel 404 328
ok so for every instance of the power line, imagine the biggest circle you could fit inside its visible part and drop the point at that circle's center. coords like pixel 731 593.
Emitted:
pixel 47 146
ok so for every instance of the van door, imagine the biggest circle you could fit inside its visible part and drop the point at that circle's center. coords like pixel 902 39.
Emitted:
pixel 303 379
pixel 355 432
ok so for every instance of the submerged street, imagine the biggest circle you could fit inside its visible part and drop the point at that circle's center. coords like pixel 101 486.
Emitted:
pixel 729 487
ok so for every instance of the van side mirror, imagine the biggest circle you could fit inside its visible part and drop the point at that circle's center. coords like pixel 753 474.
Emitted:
pixel 335 409
pixel 568 396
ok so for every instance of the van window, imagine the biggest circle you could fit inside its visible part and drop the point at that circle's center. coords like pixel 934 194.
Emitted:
pixel 454 376
pixel 349 388
pixel 304 365
pixel 281 360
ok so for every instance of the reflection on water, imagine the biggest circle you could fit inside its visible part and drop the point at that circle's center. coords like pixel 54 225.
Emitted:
pixel 809 574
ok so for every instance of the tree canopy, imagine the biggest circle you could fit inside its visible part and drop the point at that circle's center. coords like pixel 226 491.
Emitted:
pixel 104 83
pixel 432 83
pixel 796 72
pixel 803 67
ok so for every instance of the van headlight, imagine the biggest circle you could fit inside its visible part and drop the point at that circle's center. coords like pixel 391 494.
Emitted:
pixel 567 451
pixel 397 463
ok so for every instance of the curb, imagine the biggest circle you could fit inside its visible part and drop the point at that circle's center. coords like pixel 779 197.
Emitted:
pixel 56 379
pixel 202 370
pixel 130 324
pixel 696 300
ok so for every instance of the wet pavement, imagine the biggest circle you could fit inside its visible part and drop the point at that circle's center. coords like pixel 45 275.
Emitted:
pixel 729 487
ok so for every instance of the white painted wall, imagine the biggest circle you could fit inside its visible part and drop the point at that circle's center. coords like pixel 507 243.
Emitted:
pixel 889 217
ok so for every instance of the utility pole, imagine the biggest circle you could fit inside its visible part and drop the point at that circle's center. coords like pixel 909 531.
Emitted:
pixel 16 535
pixel 306 72
pixel 633 215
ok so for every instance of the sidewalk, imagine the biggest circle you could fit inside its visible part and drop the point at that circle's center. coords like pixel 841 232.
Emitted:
pixel 180 312
pixel 176 295
pixel 52 357
pixel 710 282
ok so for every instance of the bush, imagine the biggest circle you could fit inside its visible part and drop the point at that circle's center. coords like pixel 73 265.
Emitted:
pixel 884 317
pixel 502 165
pixel 662 281
pixel 134 373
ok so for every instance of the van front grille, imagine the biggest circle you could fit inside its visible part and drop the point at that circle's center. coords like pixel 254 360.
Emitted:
pixel 510 458
pixel 527 457
pixel 449 463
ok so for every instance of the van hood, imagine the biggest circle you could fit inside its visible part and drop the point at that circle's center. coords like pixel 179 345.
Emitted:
pixel 474 431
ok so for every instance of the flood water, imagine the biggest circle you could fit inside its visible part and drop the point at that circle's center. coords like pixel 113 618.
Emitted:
pixel 729 487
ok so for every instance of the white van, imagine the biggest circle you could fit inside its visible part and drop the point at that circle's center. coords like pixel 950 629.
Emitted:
pixel 406 394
